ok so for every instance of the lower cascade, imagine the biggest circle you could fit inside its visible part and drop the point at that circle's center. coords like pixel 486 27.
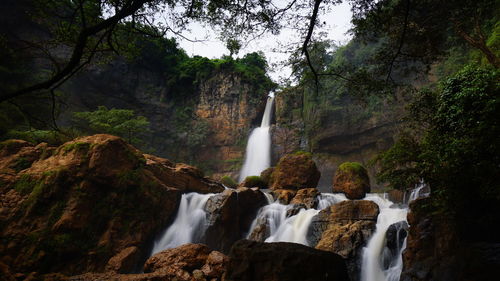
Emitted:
pixel 189 224
pixel 381 258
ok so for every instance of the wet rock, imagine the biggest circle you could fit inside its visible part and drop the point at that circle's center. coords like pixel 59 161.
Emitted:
pixel 178 261
pixel 397 196
pixel 230 215
pixel 284 196
pixel 344 229
pixel 266 176
pixel 351 178
pixel 394 238
pixel 253 181
pixel 252 260
pixel 124 261
pixel 295 171
pixel 307 197
pixel 215 265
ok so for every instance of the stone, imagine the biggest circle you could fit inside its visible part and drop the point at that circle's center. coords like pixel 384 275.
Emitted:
pixel 230 215
pixel 180 260
pixel 307 197
pixel 394 239
pixel 397 196
pixel 253 181
pixel 215 265
pixel 284 196
pixel 345 228
pixel 295 171
pixel 265 176
pixel 351 178
pixel 250 260
pixel 124 261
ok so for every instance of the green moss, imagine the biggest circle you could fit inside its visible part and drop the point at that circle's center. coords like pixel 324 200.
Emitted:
pixel 76 146
pixel 21 164
pixel 301 152
pixel 352 167
pixel 129 177
pixel 7 144
pixel 254 181
pixel 229 182
pixel 25 184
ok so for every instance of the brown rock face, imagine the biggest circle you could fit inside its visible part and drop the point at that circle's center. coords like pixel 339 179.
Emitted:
pixel 90 202
pixel 344 229
pixel 124 261
pixel 284 196
pixel 230 215
pixel 252 260
pixel 307 197
pixel 228 105
pixel 295 171
pixel 189 262
pixel 352 179
pixel 183 258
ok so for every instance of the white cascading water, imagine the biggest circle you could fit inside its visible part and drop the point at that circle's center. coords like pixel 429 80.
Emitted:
pixel 294 228
pixel 188 224
pixel 258 151
pixel 372 269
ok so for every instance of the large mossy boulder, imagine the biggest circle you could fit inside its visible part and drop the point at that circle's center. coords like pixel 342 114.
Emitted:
pixel 251 260
pixel 295 171
pixel 351 178
pixel 89 204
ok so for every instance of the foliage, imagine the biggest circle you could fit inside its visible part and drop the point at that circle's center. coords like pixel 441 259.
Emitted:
pixel 119 122
pixel 458 152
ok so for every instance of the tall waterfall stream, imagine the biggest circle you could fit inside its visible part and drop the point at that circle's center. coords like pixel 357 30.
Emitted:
pixel 258 151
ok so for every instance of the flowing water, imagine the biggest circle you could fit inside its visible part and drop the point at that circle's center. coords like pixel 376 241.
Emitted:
pixel 258 151
pixel 189 223
pixel 284 228
pixel 372 260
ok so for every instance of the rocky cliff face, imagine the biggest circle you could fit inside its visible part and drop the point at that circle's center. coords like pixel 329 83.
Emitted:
pixel 205 123
pixel 230 107
pixel 346 131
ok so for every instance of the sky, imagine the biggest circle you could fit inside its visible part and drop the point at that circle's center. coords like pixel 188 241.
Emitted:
pixel 337 26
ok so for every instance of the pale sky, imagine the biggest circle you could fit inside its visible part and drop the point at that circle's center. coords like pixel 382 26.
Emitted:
pixel 337 25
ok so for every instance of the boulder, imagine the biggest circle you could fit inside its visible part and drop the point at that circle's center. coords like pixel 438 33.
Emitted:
pixel 97 185
pixel 179 261
pixel 295 171
pixel 181 176
pixel 397 196
pixel 125 261
pixel 344 229
pixel 253 181
pixel 215 265
pixel 284 196
pixel 351 178
pixel 394 238
pixel 265 176
pixel 230 215
pixel 307 197
pixel 250 260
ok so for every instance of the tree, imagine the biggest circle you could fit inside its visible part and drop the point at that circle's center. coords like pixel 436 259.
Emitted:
pixel 88 29
pixel 454 147
pixel 119 122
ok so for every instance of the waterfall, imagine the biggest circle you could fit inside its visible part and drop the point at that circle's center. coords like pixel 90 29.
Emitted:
pixel 284 227
pixel 294 229
pixel 188 226
pixel 258 151
pixel 373 254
